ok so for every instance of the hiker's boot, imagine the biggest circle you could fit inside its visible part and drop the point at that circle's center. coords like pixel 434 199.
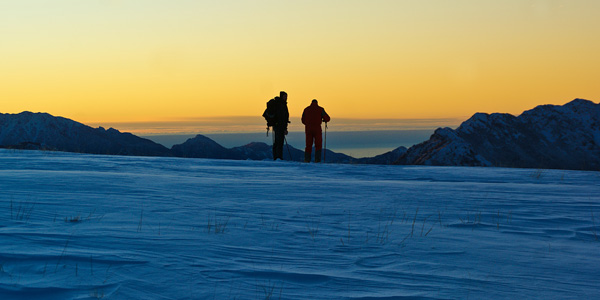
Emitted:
pixel 318 156
pixel 306 157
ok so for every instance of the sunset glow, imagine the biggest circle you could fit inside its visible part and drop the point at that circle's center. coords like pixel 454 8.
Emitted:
pixel 153 61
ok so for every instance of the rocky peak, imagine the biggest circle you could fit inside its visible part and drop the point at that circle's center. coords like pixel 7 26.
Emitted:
pixel 548 136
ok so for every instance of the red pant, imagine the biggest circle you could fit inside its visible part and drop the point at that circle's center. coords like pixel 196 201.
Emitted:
pixel 313 133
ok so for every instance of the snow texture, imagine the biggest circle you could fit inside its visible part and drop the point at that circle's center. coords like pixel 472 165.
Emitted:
pixel 77 226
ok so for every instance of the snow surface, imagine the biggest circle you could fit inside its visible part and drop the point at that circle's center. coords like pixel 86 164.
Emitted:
pixel 110 227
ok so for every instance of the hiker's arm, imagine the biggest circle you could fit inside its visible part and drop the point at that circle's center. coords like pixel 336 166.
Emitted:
pixel 325 116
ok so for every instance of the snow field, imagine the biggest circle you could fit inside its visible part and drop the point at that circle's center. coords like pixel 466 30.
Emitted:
pixel 111 227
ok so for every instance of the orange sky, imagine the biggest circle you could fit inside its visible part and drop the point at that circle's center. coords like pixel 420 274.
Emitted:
pixel 106 62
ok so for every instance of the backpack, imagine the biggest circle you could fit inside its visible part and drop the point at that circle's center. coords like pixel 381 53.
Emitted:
pixel 270 113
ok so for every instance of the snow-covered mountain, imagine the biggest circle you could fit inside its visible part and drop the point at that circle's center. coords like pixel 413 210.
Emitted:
pixel 548 136
pixel 44 131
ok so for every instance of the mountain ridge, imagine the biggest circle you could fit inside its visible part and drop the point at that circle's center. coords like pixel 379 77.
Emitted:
pixel 547 136
pixel 43 131
pixel 62 134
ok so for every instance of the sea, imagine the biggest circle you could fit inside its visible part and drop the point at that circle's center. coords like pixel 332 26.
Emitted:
pixel 357 144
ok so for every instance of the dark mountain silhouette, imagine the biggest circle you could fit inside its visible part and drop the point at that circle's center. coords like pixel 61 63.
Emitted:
pixel 332 157
pixel 548 136
pixel 254 151
pixel 43 131
pixel 200 147
pixel 387 158
pixel 204 147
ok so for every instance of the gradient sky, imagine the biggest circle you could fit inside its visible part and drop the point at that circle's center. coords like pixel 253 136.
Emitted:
pixel 154 61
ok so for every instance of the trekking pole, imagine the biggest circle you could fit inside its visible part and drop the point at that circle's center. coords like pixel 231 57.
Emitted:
pixel 288 147
pixel 325 144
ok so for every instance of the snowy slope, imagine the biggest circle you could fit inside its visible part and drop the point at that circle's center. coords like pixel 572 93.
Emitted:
pixel 45 131
pixel 548 136
pixel 78 226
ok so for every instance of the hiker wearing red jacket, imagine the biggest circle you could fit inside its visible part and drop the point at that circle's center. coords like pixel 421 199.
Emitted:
pixel 312 117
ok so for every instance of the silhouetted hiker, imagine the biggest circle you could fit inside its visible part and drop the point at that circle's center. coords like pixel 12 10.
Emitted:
pixel 312 117
pixel 278 116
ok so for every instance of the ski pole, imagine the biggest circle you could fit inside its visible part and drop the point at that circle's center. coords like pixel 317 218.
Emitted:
pixel 325 144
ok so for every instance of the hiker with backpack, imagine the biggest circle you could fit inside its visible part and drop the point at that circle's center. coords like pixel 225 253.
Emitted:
pixel 278 117
pixel 312 117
